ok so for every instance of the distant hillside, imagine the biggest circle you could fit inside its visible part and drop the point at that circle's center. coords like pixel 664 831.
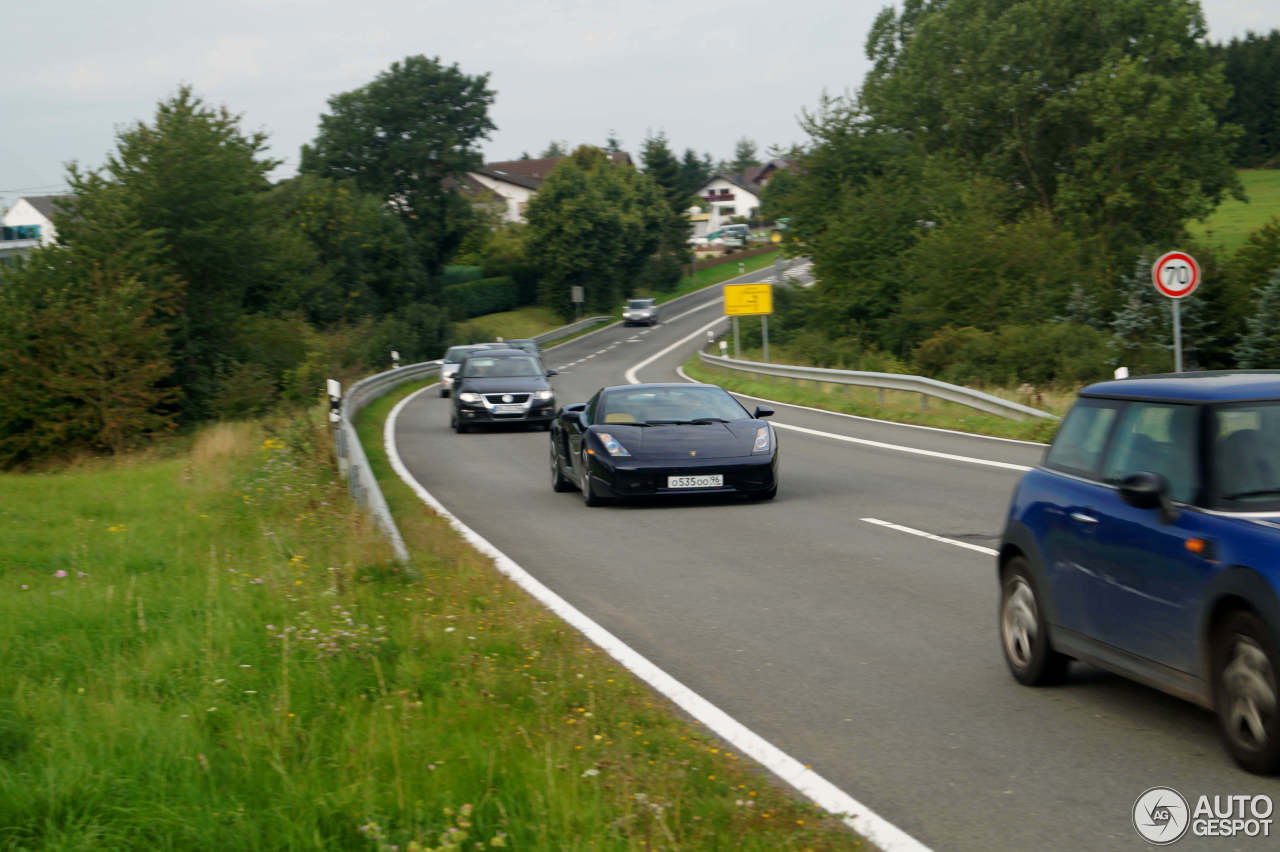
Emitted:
pixel 1233 221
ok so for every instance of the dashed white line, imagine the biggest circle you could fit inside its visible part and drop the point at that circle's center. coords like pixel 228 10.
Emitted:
pixel 989 551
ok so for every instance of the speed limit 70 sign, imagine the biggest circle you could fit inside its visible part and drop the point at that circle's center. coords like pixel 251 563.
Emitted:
pixel 1176 274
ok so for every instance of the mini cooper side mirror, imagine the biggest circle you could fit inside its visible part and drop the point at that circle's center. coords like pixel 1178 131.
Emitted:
pixel 762 411
pixel 1147 490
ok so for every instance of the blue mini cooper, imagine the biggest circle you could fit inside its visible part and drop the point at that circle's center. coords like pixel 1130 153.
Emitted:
pixel 1148 543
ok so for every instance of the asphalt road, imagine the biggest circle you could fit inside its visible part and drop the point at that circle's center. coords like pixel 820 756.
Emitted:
pixel 862 650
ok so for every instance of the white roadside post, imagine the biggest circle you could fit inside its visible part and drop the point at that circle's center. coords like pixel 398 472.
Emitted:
pixel 395 360
pixel 1176 275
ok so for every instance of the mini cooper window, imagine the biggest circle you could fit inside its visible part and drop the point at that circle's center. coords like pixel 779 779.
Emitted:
pixel 1157 438
pixel 1246 456
pixel 1082 438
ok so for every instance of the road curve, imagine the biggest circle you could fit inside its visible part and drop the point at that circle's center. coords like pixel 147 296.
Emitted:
pixel 826 623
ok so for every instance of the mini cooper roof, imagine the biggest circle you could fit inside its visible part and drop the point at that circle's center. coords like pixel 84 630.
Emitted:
pixel 1205 387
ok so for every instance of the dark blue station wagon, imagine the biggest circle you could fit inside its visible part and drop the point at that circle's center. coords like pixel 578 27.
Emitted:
pixel 1148 543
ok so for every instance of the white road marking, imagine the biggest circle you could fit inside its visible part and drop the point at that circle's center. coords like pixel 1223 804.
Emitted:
pixel 901 449
pixel 989 551
pixel 857 816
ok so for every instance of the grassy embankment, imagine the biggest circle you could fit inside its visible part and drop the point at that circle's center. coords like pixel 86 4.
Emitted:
pixel 897 406
pixel 212 651
pixel 1232 222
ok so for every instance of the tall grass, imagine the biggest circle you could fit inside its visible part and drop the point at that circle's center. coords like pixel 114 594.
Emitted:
pixel 216 652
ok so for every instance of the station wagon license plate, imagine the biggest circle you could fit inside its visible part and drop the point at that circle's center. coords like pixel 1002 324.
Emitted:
pixel 710 480
pixel 508 409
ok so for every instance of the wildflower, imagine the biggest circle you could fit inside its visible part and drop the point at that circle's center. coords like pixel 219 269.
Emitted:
pixel 81 575
pixel 588 773
pixel 212 710
pixel 59 573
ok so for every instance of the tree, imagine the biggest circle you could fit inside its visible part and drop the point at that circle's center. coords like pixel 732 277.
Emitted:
pixel 592 224
pixel 695 171
pixel 744 156
pixel 363 260
pixel 1259 349
pixel 1103 113
pixel 612 144
pixel 1251 67
pixel 555 148
pixel 660 165
pixel 400 137
pixel 85 338
pixel 196 180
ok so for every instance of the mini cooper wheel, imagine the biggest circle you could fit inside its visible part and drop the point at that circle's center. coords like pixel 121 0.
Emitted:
pixel 1023 633
pixel 1245 691
pixel 559 482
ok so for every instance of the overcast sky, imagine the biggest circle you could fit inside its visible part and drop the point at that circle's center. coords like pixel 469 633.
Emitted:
pixel 706 72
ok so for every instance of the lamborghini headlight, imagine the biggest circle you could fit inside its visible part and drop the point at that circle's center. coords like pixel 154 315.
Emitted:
pixel 611 445
pixel 762 440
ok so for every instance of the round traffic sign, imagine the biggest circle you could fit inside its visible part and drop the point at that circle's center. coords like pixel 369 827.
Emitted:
pixel 1176 274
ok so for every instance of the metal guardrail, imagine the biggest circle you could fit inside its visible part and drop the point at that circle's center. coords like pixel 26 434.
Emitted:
pixel 352 461
pixel 886 381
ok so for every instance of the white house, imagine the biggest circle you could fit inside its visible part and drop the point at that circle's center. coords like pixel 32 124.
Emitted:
pixel 726 196
pixel 517 181
pixel 28 224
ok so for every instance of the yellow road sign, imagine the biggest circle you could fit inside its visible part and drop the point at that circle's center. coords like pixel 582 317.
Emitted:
pixel 744 300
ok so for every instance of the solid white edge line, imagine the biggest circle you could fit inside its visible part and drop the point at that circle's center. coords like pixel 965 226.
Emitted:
pixel 901 449
pixel 819 790
pixel 989 551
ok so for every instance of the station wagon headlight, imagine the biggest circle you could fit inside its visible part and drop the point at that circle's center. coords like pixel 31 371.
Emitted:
pixel 611 445
pixel 469 397
pixel 544 395
pixel 762 440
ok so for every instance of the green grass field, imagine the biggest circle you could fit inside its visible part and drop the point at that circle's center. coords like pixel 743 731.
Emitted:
pixel 213 651
pixel 1230 225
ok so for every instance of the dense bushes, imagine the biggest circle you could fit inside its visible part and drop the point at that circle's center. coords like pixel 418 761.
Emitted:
pixel 482 296
pixel 1043 354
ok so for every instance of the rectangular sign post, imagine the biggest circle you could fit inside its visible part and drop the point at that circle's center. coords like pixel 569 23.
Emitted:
pixel 749 300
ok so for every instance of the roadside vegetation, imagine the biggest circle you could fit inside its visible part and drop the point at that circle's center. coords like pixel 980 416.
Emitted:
pixel 894 406
pixel 213 650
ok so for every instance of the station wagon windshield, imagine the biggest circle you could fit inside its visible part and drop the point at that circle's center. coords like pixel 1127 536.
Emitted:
pixel 501 368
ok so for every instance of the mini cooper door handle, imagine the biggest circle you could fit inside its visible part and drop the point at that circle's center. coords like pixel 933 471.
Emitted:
pixel 1083 518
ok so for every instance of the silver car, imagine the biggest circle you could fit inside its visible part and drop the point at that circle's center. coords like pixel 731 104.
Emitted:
pixel 453 359
pixel 640 312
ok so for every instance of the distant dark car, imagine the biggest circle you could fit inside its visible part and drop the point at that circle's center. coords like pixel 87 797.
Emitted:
pixel 663 439
pixel 501 386
pixel 452 360
pixel 1146 543
pixel 640 312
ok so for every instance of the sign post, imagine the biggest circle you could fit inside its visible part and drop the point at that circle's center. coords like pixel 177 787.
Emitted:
pixel 577 295
pixel 1176 275
pixel 749 300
